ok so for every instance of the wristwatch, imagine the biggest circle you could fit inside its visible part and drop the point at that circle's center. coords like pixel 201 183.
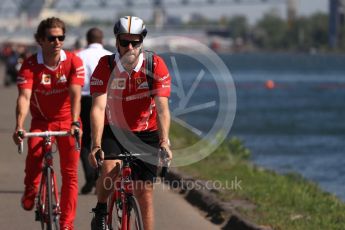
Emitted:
pixel 76 123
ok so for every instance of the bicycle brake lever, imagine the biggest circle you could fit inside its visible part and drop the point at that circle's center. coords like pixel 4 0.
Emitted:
pixel 21 144
pixel 76 137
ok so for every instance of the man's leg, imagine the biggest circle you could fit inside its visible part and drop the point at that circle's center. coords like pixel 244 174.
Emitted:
pixel 89 172
pixel 104 187
pixel 33 172
pixel 69 159
pixel 143 191
pixel 105 183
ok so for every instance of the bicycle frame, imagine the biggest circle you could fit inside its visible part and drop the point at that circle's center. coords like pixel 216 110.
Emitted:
pixel 123 191
pixel 123 188
pixel 41 208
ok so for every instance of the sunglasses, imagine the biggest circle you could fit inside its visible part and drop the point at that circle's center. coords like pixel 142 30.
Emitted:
pixel 125 43
pixel 51 38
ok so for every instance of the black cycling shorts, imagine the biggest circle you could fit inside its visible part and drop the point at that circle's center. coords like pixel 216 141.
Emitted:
pixel 142 169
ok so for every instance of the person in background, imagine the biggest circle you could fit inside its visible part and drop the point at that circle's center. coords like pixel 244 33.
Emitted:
pixel 49 84
pixel 90 57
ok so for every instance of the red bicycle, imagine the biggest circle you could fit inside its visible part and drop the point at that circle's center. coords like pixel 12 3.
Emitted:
pixel 47 200
pixel 123 208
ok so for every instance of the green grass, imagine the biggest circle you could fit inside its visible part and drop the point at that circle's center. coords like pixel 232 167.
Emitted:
pixel 280 201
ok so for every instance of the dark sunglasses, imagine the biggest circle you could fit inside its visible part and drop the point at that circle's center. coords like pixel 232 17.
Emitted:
pixel 51 38
pixel 125 43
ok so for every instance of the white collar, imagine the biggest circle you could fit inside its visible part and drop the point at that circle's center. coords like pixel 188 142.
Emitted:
pixel 120 66
pixel 95 45
pixel 40 60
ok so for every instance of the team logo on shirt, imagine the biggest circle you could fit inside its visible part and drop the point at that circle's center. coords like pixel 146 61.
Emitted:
pixel 61 79
pixel 96 81
pixel 141 83
pixel 46 79
pixel 118 83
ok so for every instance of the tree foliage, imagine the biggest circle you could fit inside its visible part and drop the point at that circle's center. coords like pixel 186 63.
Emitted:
pixel 302 34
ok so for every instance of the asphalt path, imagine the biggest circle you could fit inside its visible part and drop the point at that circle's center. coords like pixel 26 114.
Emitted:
pixel 171 210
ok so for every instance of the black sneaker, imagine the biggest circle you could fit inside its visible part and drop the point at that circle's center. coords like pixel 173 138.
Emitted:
pixel 87 188
pixel 99 219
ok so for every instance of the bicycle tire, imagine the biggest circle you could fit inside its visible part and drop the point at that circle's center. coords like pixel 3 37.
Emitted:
pixel 40 202
pixel 135 220
pixel 51 218
pixel 114 221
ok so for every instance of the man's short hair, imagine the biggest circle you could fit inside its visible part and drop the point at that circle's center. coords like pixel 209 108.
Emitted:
pixel 94 35
pixel 49 23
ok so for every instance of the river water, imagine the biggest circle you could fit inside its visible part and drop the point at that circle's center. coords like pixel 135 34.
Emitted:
pixel 298 126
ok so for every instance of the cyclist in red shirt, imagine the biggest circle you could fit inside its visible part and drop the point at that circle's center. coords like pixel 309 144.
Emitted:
pixel 49 84
pixel 123 101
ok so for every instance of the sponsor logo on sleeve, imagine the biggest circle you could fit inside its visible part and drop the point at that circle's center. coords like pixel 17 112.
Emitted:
pixel 21 80
pixel 164 77
pixel 165 86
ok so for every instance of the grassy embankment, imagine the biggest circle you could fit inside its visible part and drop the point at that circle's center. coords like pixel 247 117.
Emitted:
pixel 281 201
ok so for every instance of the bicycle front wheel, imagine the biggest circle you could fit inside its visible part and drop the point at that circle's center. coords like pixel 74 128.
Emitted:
pixel 52 221
pixel 134 220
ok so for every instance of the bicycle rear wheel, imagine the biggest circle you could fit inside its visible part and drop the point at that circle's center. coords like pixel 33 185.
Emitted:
pixel 135 221
pixel 52 218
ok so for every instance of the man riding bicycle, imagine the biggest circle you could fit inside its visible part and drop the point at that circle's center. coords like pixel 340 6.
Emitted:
pixel 49 84
pixel 127 107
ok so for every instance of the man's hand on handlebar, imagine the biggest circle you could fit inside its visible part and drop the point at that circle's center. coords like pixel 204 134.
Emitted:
pixel 166 147
pixel 165 158
pixel 18 136
pixel 96 156
pixel 77 132
pixel 75 127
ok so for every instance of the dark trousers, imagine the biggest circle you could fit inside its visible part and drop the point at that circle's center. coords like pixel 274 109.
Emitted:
pixel 86 102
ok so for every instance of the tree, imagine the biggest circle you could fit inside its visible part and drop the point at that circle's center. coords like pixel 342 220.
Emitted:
pixel 270 32
pixel 238 27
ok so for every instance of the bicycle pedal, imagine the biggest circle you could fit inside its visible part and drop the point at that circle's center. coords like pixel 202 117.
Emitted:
pixel 56 210
pixel 37 215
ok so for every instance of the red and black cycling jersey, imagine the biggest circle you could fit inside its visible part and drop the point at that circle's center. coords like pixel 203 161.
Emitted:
pixel 130 103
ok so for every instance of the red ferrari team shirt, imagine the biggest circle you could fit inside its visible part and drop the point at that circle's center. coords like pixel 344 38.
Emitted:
pixel 50 98
pixel 130 104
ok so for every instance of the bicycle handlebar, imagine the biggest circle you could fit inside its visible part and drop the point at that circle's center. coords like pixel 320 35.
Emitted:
pixel 46 134
pixel 163 161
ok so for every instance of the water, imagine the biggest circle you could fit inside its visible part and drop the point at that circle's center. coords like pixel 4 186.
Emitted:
pixel 299 126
